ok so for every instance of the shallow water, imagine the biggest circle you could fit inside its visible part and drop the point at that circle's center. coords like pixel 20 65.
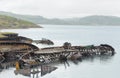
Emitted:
pixel 104 67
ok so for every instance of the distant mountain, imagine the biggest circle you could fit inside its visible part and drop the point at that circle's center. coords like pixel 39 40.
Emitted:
pixel 95 20
pixel 34 19
pixel 8 22
pixel 88 20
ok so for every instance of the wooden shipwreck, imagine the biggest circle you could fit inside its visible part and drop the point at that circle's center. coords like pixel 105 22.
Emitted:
pixel 15 48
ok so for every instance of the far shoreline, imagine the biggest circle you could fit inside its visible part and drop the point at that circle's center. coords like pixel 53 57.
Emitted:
pixel 81 25
pixel 39 26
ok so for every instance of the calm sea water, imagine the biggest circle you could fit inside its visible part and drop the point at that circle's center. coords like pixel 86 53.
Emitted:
pixel 107 67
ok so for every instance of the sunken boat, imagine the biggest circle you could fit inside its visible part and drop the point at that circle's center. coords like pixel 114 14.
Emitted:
pixel 15 48
pixel 12 47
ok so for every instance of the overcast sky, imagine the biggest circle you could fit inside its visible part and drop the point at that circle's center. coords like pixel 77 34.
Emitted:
pixel 62 8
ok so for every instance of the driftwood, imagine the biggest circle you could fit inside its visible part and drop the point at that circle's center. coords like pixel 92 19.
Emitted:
pixel 44 41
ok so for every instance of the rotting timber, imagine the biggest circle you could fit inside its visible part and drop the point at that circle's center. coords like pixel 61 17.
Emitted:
pixel 44 41
pixel 12 47
pixel 28 55
pixel 62 53
pixel 13 37
pixel 11 52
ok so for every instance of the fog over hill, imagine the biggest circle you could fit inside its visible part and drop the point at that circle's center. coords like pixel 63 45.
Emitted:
pixel 88 20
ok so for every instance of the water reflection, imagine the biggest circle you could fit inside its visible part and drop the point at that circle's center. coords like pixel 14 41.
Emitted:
pixel 36 72
pixel 40 71
pixel 101 58
pixel 66 64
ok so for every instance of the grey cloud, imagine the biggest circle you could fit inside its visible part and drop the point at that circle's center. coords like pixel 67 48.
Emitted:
pixel 61 8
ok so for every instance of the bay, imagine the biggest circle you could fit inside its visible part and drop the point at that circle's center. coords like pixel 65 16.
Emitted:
pixel 107 67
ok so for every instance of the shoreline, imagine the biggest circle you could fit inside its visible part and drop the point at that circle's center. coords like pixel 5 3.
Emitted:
pixel 19 28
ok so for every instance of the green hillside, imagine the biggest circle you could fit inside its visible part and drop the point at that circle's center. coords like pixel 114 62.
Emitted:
pixel 8 22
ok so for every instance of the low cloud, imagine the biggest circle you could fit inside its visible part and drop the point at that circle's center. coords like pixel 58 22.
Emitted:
pixel 62 8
